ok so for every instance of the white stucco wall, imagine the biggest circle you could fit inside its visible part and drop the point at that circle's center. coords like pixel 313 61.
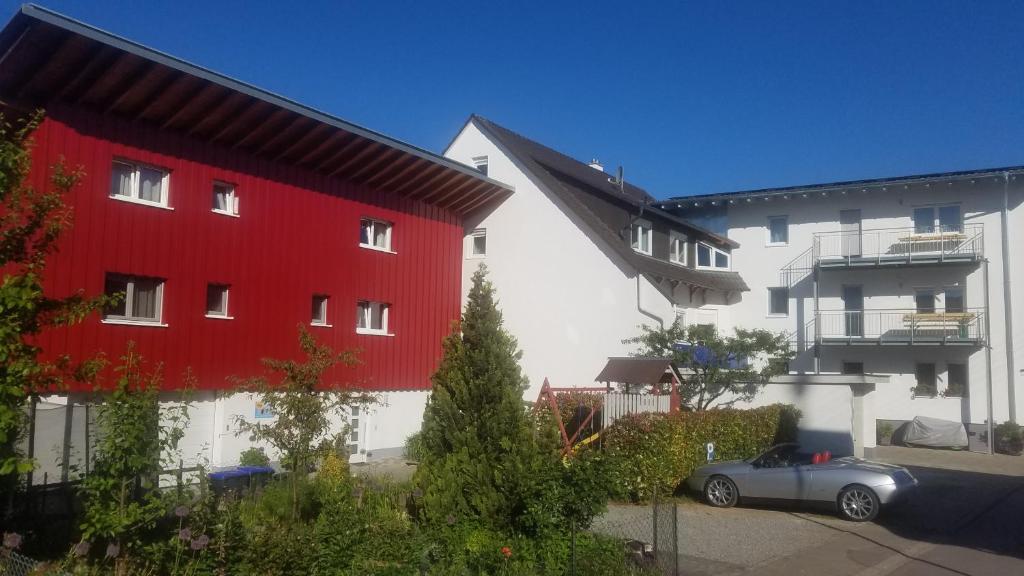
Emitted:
pixel 566 297
pixel 980 202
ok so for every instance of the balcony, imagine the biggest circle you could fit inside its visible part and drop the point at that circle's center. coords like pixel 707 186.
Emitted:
pixel 881 248
pixel 898 327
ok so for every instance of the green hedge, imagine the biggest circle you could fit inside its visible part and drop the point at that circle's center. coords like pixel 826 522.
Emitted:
pixel 657 451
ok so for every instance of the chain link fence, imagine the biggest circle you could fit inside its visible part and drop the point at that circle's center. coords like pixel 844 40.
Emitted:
pixel 649 532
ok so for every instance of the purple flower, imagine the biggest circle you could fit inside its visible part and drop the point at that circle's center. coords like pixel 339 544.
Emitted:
pixel 451 519
pixel 185 534
pixel 113 550
pixel 200 542
pixel 81 549
pixel 12 540
pixel 181 511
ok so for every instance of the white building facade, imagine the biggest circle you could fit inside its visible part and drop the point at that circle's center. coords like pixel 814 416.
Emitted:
pixel 911 279
pixel 580 262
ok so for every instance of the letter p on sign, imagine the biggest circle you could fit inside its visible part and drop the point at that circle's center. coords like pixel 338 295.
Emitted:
pixel 711 451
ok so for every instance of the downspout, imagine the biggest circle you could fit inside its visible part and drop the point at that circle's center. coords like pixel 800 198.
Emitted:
pixel 640 306
pixel 988 363
pixel 1008 299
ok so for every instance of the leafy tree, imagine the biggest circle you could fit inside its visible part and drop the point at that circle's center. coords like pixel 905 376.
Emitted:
pixel 31 221
pixel 304 407
pixel 716 367
pixel 482 461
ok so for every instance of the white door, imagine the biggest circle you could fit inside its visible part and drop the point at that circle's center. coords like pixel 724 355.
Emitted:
pixel 849 225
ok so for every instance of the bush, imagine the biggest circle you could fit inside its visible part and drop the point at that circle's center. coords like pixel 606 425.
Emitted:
pixel 254 457
pixel 1009 439
pixel 655 452
pixel 413 447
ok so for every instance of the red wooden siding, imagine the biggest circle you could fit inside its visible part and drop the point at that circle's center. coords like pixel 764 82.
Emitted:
pixel 298 235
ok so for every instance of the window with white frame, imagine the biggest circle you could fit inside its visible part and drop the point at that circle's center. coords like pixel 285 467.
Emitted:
pixel 934 219
pixel 140 301
pixel 480 162
pixel 225 201
pixel 478 243
pixel 778 230
pixel 217 301
pixel 641 236
pixel 677 248
pixel 778 301
pixel 924 301
pixel 712 258
pixel 954 299
pixel 375 234
pixel 372 317
pixel 319 312
pixel 139 183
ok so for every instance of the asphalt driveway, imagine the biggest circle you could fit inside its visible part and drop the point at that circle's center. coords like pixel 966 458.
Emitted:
pixel 967 518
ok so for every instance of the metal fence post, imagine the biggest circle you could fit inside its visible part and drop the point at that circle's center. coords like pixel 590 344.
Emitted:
pixel 572 547
pixel 675 538
pixel 654 523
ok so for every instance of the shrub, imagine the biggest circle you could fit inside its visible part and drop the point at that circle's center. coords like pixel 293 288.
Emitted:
pixel 883 432
pixel 1009 438
pixel 655 452
pixel 254 457
pixel 413 447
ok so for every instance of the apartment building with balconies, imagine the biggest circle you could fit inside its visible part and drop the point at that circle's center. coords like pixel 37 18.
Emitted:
pixel 908 280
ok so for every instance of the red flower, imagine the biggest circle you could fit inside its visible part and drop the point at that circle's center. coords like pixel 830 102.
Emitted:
pixel 506 551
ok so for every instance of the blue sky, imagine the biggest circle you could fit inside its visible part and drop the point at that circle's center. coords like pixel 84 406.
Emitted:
pixel 688 97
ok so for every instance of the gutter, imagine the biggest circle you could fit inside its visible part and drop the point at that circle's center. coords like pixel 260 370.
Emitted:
pixel 1008 299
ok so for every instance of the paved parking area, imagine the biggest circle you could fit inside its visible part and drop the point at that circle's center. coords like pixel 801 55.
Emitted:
pixel 967 518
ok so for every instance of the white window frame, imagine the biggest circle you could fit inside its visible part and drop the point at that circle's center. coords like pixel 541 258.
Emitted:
pixel 135 184
pixel 364 307
pixel 481 164
pixel 677 248
pixel 936 224
pixel 232 199
pixel 129 297
pixel 769 308
pixel 374 222
pixel 714 251
pixel 471 249
pixel 768 230
pixel 323 320
pixel 227 300
pixel 638 230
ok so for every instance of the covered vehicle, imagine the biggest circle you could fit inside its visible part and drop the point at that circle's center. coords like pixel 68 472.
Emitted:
pixel 857 488
pixel 935 433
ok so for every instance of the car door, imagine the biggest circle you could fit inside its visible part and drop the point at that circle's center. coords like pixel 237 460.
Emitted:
pixel 787 479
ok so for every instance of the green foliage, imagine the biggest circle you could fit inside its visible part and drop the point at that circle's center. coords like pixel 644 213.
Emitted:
pixel 883 431
pixel 31 221
pixel 253 457
pixel 414 448
pixel 655 452
pixel 573 407
pixel 304 404
pixel 712 381
pixel 1009 438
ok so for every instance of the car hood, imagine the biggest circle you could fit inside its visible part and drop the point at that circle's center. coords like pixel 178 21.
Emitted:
pixel 727 467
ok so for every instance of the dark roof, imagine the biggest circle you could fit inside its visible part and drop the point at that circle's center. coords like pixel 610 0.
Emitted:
pixel 846 184
pixel 48 60
pixel 634 370
pixel 571 179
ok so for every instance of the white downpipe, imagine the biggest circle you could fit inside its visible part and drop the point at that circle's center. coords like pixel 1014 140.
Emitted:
pixel 1008 300
pixel 640 306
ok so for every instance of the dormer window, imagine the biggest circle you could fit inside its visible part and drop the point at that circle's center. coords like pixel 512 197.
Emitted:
pixel 677 248
pixel 709 257
pixel 641 235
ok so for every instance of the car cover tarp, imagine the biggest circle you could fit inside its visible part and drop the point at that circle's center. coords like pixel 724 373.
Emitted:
pixel 924 431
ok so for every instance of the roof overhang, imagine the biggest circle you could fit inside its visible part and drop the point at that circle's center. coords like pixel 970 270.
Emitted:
pixel 831 379
pixel 634 370
pixel 48 60
pixel 828 190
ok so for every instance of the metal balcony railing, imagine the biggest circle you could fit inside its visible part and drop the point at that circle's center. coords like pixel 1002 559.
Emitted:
pixel 895 246
pixel 908 326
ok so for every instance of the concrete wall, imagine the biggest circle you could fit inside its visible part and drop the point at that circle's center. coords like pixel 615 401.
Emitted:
pixel 827 421
pixel 568 298
pixel 980 202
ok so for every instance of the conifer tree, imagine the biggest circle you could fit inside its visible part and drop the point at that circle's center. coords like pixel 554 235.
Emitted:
pixel 483 462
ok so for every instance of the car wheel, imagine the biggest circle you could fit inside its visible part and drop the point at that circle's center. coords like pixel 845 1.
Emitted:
pixel 721 492
pixel 858 503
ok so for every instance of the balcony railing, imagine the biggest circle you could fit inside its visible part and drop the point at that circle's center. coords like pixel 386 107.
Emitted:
pixel 899 327
pixel 896 246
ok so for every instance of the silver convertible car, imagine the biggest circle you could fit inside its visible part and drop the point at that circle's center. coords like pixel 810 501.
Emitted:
pixel 857 488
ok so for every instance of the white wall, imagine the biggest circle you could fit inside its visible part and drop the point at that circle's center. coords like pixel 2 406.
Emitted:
pixel 827 420
pixel 569 299
pixel 759 264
